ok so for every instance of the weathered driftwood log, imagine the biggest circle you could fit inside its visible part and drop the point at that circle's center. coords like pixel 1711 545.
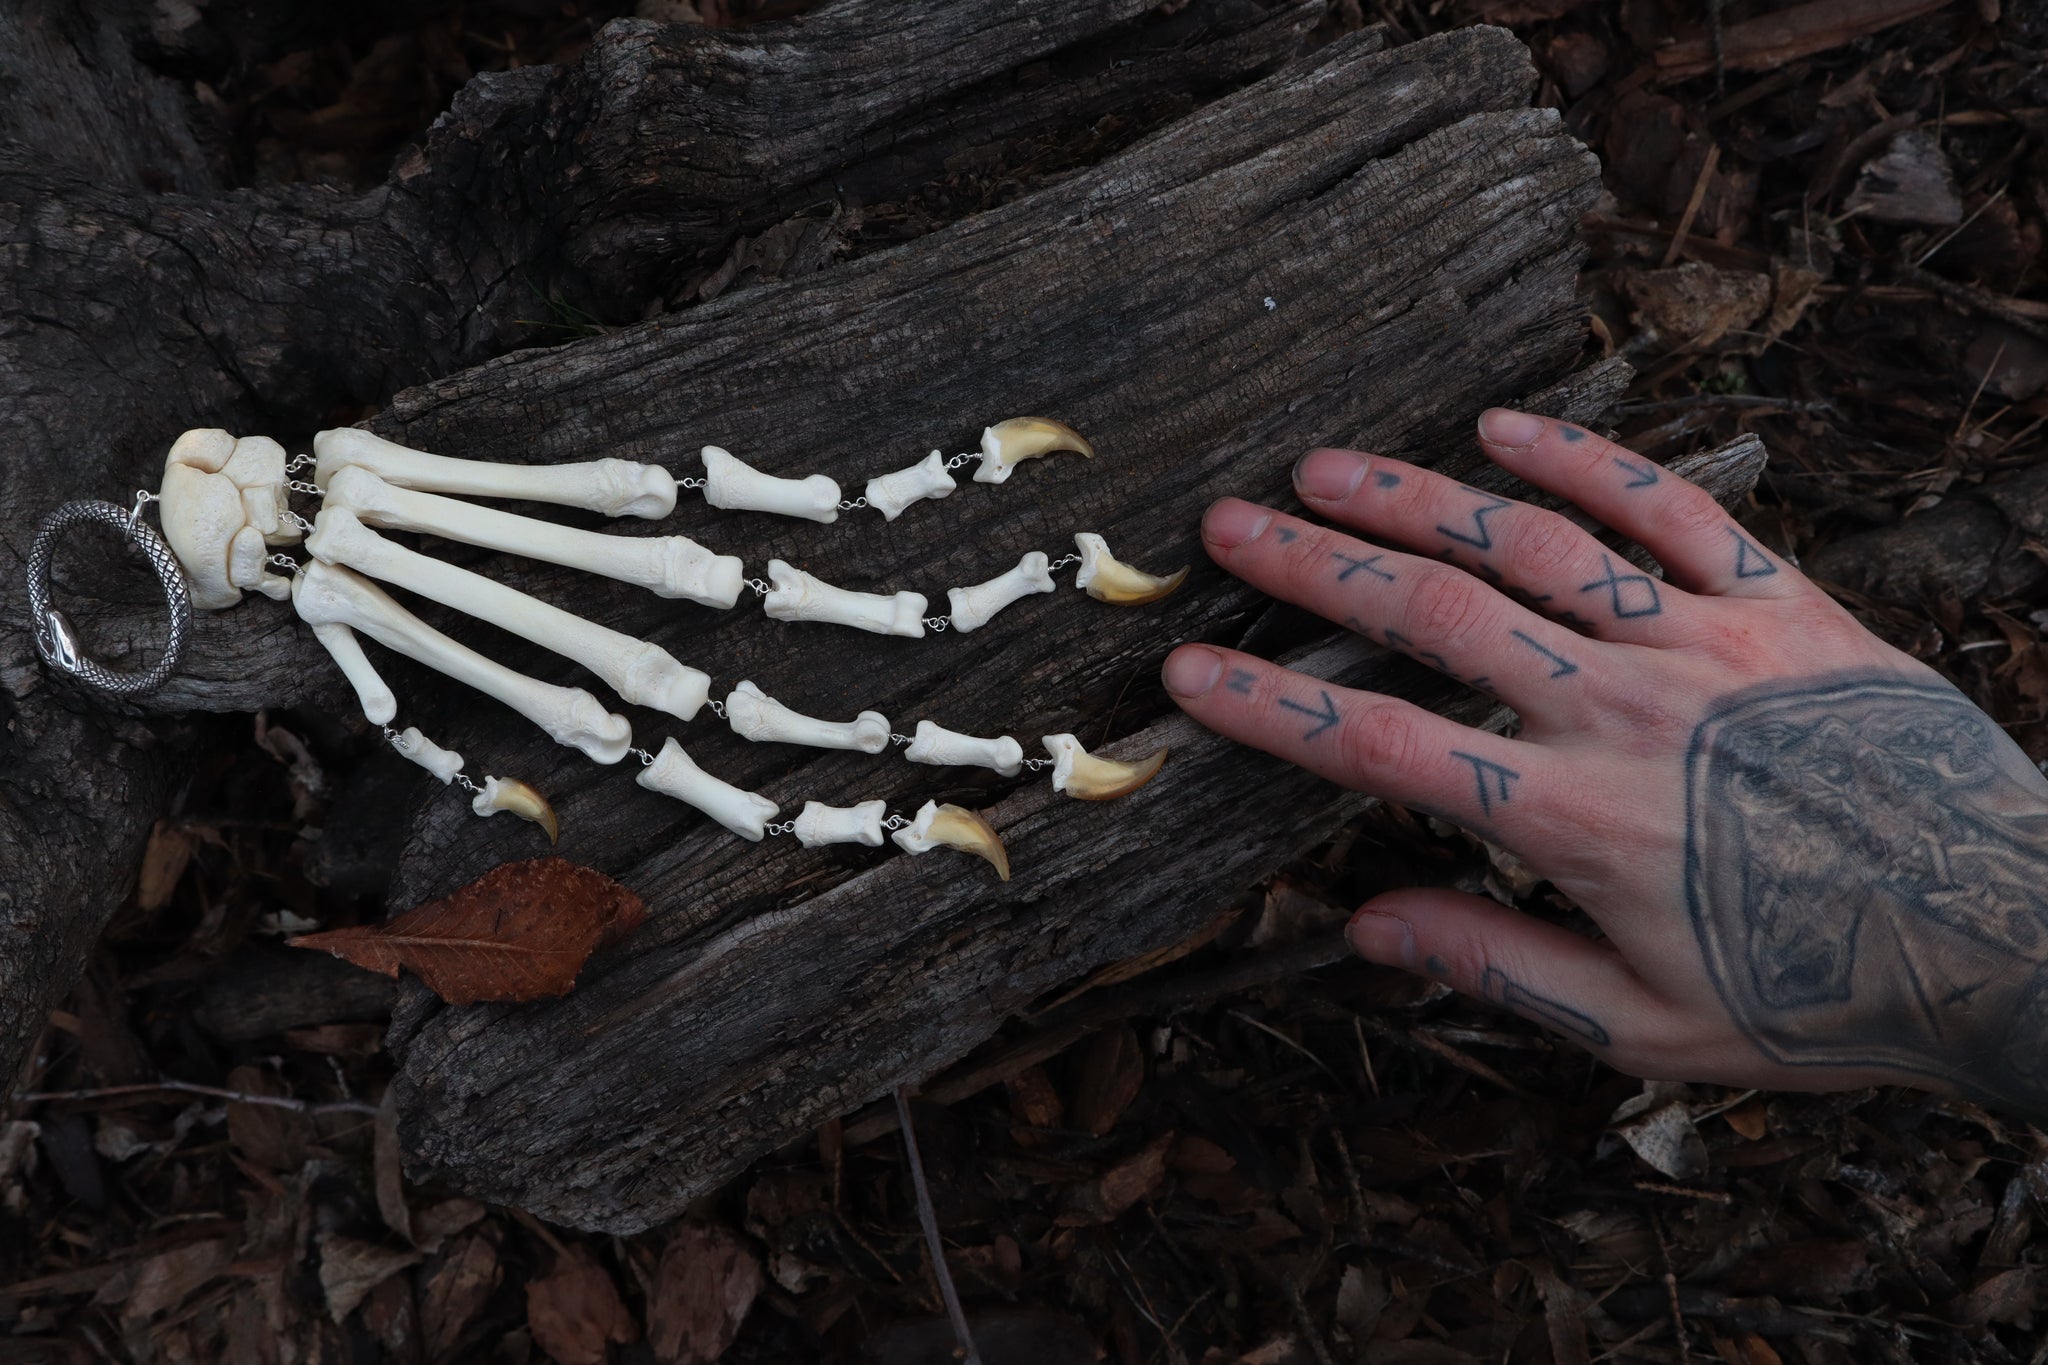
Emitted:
pixel 1361 248
pixel 127 315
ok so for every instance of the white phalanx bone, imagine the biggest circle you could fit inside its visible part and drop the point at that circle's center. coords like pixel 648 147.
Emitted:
pixel 972 607
pixel 821 824
pixel 732 483
pixel 755 715
pixel 511 795
pixel 644 674
pixel 799 597
pixel 1081 774
pixel 223 505
pixel 1106 578
pixel 1024 438
pixel 675 773
pixel 939 826
pixel 617 488
pixel 943 748
pixel 340 603
pixel 442 763
pixel 668 566
pixel 889 494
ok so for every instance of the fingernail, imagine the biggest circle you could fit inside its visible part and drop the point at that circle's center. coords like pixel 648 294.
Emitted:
pixel 1231 523
pixel 1506 427
pixel 1382 938
pixel 1192 671
pixel 1328 475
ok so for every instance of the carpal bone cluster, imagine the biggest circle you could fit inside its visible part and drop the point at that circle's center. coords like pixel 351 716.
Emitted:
pixel 226 507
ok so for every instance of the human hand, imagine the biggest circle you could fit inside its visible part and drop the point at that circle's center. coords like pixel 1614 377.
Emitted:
pixel 1815 863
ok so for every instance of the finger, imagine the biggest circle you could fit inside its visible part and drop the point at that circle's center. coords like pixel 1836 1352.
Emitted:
pixel 1370 742
pixel 1432 612
pixel 1691 535
pixel 1534 555
pixel 1576 987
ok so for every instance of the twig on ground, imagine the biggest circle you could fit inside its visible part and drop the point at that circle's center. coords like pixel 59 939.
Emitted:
pixel 929 1218
pixel 111 1092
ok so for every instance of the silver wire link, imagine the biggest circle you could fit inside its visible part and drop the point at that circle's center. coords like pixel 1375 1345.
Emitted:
pixel 759 585
pixel 286 562
pixel 853 505
pixel 305 527
pixel 1037 763
pixel 937 624
pixel 780 827
pixel 1062 562
pixel 969 458
pixel 897 822
pixel 901 739
pixel 298 462
pixel 689 483
pixel 646 759
pixel 717 707
pixel 143 498
pixel 55 640
pixel 467 783
pixel 301 486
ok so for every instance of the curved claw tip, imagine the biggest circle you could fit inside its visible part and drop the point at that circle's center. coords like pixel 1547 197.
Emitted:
pixel 958 827
pixel 510 794
pixel 1085 777
pixel 1106 578
pixel 1025 438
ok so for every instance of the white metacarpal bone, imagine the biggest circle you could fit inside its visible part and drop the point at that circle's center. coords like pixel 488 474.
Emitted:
pixel 889 494
pixel 617 488
pixel 675 773
pixel 821 824
pixel 754 715
pixel 339 603
pixel 800 597
pixel 644 674
pixel 972 607
pixel 223 506
pixel 943 748
pixel 668 566
pixel 732 483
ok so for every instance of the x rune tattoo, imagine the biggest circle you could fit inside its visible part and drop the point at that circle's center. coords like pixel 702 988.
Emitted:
pixel 1864 864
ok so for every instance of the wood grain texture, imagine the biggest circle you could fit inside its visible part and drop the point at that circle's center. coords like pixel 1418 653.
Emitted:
pixel 127 315
pixel 1412 224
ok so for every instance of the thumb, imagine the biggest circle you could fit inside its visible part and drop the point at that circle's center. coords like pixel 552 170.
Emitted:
pixel 1572 985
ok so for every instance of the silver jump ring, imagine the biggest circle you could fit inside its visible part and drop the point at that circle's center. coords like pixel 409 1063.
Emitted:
pixel 55 640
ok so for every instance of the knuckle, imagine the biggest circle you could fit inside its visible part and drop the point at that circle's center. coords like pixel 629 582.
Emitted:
pixel 1691 512
pixel 1446 604
pixel 1380 739
pixel 1547 544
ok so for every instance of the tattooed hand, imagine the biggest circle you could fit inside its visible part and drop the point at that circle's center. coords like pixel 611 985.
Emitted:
pixel 1816 865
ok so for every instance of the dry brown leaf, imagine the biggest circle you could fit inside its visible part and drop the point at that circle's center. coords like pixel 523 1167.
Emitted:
pixel 168 1278
pixel 575 1312
pixel 707 1280
pixel 351 1268
pixel 164 860
pixel 1112 1072
pixel 1771 40
pixel 386 1174
pixel 455 1293
pixel 519 932
pixel 1035 1104
pixel 268 1135
pixel 1122 1185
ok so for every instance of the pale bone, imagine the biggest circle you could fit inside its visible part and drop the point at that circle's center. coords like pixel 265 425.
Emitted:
pixel 617 488
pixel 800 597
pixel 1106 578
pixel 223 504
pixel 512 795
pixel 972 607
pixel 732 483
pixel 759 717
pixel 943 748
pixel 821 824
pixel 668 566
pixel 442 763
pixel 939 826
pixel 644 674
pixel 675 773
pixel 1024 438
pixel 889 494
pixel 337 602
pixel 1085 777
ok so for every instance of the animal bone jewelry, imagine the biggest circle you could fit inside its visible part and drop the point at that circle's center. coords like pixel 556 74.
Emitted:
pixel 225 507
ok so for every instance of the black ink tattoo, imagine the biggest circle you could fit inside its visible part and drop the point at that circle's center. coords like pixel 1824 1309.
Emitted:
pixel 1484 768
pixel 1863 868
pixel 1288 535
pixel 1239 681
pixel 1327 716
pixel 1750 562
pixel 1631 594
pixel 1479 537
pixel 1498 987
pixel 1357 564
pixel 1565 667
pixel 1643 475
pixel 1386 480
pixel 1570 433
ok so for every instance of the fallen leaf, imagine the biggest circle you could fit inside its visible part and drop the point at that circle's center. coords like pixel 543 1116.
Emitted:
pixel 168 1278
pixel 387 1177
pixel 267 1134
pixel 164 859
pixel 1121 1186
pixel 2010 1296
pixel 1112 1071
pixel 519 932
pixel 455 1293
pixel 1035 1104
pixel 707 1280
pixel 1910 183
pixel 350 1268
pixel 1666 1139
pixel 575 1312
